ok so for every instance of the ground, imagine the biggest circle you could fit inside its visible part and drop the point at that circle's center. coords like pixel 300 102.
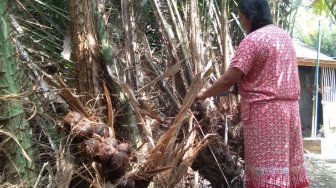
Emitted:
pixel 321 171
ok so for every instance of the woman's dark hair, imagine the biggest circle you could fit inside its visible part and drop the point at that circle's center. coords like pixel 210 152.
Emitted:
pixel 257 11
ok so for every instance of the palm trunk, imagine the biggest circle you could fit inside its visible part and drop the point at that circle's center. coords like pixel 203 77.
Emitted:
pixel 11 111
pixel 86 51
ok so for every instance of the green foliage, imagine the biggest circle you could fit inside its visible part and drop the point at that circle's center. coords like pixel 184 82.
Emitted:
pixel 320 6
pixel 287 14
pixel 328 41
pixel 325 6
pixel 147 22
pixel 307 29
pixel 44 25
pixel 31 38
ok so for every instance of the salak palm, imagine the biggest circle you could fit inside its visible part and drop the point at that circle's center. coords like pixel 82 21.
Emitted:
pixel 136 67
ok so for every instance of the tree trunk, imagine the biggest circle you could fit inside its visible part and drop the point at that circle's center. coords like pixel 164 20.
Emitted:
pixel 12 115
pixel 86 51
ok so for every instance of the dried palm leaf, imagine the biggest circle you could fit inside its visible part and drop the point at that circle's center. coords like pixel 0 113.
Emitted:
pixel 164 147
pixel 110 113
pixel 12 136
pixel 135 105
pixel 71 99
pixel 168 73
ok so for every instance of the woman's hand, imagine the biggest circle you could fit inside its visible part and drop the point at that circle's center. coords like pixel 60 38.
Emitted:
pixel 231 76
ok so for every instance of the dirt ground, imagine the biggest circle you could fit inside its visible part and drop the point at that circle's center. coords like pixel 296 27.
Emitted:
pixel 321 171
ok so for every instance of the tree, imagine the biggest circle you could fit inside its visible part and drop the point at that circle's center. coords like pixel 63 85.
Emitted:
pixel 327 41
pixel 310 14
pixel 326 6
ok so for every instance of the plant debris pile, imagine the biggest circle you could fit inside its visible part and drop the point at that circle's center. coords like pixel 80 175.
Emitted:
pixel 221 163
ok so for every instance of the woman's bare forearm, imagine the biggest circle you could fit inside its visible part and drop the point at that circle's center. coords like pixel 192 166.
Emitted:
pixel 230 77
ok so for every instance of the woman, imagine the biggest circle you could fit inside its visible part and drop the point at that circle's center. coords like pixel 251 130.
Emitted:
pixel 266 71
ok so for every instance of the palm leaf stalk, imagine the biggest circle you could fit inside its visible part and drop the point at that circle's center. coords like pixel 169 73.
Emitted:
pixel 119 99
pixel 163 86
pixel 12 114
pixel 224 35
pixel 128 22
pixel 181 41
pixel 194 38
pixel 213 43
pixel 171 46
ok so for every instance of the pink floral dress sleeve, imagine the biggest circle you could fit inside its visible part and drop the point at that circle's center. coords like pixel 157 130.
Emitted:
pixel 245 55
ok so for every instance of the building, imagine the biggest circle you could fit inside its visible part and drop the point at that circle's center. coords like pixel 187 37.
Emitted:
pixel 306 59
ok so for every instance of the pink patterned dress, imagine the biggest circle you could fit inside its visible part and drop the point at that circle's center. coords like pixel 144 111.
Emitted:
pixel 270 92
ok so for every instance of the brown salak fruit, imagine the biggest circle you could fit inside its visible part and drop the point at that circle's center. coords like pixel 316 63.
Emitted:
pixel 102 131
pixel 84 130
pixel 124 147
pixel 72 118
pixel 120 161
pixel 110 141
pixel 106 152
pixel 90 147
